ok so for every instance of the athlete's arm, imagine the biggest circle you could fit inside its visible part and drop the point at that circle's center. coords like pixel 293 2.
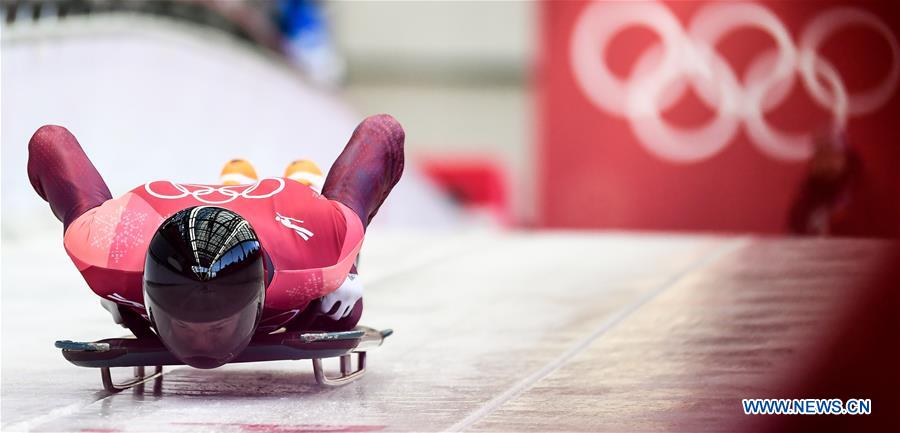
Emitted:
pixel 63 175
pixel 368 168
pixel 361 178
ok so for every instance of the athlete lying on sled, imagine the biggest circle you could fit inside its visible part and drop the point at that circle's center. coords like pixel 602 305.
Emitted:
pixel 205 268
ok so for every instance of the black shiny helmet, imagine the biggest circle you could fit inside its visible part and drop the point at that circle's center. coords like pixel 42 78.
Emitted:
pixel 204 285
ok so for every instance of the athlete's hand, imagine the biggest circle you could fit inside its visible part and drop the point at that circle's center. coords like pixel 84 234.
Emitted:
pixel 339 303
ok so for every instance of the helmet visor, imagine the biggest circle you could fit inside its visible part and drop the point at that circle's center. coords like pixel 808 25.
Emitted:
pixel 204 284
pixel 207 344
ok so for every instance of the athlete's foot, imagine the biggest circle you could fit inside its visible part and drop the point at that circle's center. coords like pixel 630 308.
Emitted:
pixel 238 172
pixel 307 173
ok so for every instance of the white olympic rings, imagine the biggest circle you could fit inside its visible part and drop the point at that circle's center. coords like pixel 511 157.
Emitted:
pixel 201 192
pixel 688 57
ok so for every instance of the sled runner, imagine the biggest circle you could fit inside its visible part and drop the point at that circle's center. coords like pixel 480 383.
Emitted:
pixel 150 352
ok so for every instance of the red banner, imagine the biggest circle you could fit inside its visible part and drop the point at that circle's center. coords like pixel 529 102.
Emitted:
pixel 702 115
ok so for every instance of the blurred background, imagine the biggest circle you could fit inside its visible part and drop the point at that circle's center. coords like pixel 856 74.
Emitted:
pixel 769 118
pixel 760 117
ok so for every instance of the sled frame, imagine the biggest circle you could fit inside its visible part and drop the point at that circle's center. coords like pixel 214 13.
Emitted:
pixel 115 353
pixel 348 373
pixel 140 378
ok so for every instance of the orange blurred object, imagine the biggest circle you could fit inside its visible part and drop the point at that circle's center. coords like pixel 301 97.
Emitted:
pixel 305 172
pixel 238 172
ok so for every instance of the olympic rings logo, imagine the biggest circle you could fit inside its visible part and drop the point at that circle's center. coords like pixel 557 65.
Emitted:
pixel 688 57
pixel 205 193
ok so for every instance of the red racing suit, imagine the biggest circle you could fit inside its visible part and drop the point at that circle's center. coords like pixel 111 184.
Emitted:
pixel 309 241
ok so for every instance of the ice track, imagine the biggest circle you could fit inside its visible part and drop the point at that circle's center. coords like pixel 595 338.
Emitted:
pixel 493 332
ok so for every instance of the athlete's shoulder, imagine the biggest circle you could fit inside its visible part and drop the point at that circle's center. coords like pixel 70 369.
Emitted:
pixel 113 234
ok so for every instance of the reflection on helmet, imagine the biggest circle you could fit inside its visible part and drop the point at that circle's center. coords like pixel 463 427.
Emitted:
pixel 204 285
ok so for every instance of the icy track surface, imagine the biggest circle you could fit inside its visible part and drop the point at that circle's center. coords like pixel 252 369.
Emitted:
pixel 515 332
